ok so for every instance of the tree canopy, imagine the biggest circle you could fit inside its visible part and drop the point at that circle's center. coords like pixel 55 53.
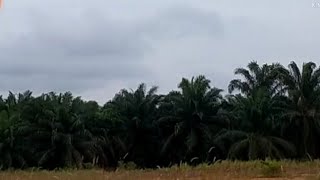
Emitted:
pixel 270 112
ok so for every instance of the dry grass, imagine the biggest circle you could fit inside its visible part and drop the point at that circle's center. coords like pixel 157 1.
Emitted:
pixel 223 170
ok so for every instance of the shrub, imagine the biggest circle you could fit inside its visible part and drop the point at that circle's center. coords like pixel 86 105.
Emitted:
pixel 271 169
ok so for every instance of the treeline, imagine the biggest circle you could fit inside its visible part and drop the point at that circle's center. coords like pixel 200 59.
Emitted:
pixel 270 112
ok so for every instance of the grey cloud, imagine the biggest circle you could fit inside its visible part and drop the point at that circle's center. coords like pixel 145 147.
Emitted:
pixel 88 34
pixel 182 22
pixel 98 48
pixel 74 54
pixel 88 50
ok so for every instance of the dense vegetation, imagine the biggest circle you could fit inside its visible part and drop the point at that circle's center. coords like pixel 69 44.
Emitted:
pixel 270 112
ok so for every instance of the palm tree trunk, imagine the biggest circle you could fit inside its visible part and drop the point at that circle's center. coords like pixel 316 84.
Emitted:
pixel 306 137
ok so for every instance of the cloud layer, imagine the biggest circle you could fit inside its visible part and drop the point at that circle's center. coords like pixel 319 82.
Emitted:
pixel 95 49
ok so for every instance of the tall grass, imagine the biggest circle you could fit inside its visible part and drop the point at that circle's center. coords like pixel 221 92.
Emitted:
pixel 221 170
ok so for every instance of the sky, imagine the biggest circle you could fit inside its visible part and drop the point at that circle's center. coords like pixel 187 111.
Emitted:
pixel 95 48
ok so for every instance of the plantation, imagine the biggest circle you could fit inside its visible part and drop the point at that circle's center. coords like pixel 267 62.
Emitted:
pixel 271 112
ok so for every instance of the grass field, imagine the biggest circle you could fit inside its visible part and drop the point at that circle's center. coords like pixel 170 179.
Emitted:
pixel 223 170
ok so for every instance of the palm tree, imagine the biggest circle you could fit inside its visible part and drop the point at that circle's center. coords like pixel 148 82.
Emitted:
pixel 11 148
pixel 106 127
pixel 61 138
pixel 256 77
pixel 254 118
pixel 12 131
pixel 137 110
pixel 303 89
pixel 194 109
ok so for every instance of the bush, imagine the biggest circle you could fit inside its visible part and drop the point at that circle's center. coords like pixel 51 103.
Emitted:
pixel 127 166
pixel 271 169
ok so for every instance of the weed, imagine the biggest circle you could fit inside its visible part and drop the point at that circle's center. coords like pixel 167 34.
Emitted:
pixel 127 166
pixel 271 169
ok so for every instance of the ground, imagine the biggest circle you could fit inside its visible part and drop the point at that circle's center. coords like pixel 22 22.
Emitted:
pixel 223 170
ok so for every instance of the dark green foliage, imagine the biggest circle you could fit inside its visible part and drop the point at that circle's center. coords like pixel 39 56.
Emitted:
pixel 275 115
pixel 303 113
pixel 190 124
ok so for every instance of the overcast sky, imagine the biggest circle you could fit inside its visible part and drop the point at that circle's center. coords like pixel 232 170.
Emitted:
pixel 94 48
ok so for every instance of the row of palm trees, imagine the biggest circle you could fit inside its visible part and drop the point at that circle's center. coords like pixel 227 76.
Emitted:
pixel 270 112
